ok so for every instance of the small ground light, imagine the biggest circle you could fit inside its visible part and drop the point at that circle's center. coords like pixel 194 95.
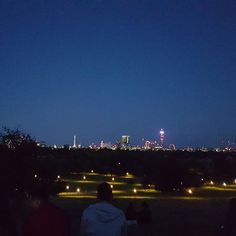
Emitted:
pixel 78 190
pixel 111 186
pixel 127 173
pixel 202 179
pixel 135 190
pixel 58 176
pixel 84 177
pixel 113 178
pixel 235 181
pixel 118 163
pixel 190 191
pixel 224 184
pixel 211 182
pixel 67 187
pixel 91 171
pixel 35 176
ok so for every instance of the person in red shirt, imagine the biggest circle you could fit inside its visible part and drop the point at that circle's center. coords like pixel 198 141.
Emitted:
pixel 45 219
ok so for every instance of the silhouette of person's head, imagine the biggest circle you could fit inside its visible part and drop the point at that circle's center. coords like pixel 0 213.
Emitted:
pixel 38 195
pixel 232 206
pixel 233 203
pixel 131 204
pixel 144 205
pixel 104 192
pixel 131 212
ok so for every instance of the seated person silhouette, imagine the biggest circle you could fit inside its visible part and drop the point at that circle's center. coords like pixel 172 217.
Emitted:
pixel 45 219
pixel 103 218
pixel 131 214
pixel 144 215
pixel 229 228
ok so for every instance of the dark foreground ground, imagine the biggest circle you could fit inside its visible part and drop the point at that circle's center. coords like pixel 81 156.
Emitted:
pixel 171 216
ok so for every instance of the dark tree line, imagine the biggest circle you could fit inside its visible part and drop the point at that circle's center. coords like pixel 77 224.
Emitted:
pixel 21 159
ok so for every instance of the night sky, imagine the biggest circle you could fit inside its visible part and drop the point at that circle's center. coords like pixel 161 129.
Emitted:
pixel 103 68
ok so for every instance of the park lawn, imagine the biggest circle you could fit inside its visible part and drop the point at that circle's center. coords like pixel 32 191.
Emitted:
pixel 177 213
pixel 171 216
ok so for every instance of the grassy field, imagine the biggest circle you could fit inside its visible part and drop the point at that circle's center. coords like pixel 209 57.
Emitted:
pixel 199 213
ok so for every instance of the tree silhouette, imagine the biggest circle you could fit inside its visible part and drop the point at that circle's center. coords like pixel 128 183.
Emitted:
pixel 14 138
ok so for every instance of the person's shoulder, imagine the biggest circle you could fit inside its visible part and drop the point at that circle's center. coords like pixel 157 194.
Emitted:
pixel 119 212
pixel 95 206
pixel 88 209
pixel 55 211
pixel 101 206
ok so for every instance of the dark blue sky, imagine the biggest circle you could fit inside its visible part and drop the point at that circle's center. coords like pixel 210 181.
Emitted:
pixel 103 68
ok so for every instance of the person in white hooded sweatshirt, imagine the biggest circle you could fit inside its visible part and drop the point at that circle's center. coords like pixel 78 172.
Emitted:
pixel 102 218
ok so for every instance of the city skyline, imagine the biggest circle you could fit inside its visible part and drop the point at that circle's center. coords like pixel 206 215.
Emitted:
pixel 101 69
pixel 127 141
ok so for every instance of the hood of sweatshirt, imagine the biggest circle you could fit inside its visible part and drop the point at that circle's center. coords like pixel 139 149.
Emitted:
pixel 104 212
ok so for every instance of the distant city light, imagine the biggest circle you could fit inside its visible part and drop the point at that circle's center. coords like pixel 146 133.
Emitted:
pixel 67 187
pixel 127 173
pixel 162 132
pixel 224 184
pixel 78 190
pixel 35 176
pixel 135 190
pixel 91 171
pixel 113 179
pixel 235 181
pixel 84 177
pixel 111 185
pixel 162 135
pixel 58 176
pixel 211 182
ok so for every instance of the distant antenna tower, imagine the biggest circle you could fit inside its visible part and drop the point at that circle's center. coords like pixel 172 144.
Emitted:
pixel 162 136
pixel 74 143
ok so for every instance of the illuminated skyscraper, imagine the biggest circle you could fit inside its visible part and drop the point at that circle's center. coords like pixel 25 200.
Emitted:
pixel 125 139
pixel 74 143
pixel 162 135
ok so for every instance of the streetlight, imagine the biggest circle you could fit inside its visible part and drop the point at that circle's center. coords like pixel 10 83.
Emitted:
pixel 190 191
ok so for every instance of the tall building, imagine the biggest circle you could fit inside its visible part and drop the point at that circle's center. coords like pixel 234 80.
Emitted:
pixel 125 139
pixel 74 143
pixel 162 136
